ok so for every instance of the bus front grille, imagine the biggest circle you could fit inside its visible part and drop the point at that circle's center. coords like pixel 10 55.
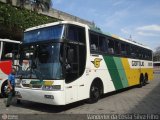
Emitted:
pixel 36 86
pixel 26 85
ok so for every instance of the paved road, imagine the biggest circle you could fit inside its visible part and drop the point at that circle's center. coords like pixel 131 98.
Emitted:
pixel 133 100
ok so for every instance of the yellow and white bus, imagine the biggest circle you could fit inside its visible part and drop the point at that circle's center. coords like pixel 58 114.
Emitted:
pixel 65 62
pixel 156 64
pixel 8 49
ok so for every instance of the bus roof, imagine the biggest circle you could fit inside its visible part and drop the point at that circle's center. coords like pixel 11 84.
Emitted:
pixel 93 28
pixel 55 23
pixel 11 41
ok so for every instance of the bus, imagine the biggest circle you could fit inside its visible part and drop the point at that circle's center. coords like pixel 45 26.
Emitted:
pixel 156 64
pixel 65 62
pixel 8 48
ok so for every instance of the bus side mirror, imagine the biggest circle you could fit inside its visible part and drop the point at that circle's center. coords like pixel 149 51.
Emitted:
pixel 9 55
pixel 70 56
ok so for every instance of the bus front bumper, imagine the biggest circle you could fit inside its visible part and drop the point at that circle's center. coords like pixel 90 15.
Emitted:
pixel 40 96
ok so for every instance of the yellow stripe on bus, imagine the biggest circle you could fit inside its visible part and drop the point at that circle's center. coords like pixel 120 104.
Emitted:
pixel 133 75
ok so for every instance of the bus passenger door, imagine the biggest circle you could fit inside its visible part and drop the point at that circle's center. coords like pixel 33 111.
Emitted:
pixel 76 59
pixel 71 66
pixel 71 93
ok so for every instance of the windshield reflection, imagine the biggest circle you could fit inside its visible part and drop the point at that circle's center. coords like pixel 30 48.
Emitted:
pixel 41 62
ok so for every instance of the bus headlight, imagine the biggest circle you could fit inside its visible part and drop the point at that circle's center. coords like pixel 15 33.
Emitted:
pixel 51 88
pixel 18 83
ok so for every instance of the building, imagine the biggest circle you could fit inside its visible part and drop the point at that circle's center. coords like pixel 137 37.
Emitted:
pixel 53 13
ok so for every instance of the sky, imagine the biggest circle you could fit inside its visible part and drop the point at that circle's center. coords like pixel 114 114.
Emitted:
pixel 139 19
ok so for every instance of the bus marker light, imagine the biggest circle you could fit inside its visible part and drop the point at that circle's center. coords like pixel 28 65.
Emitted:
pixel 49 96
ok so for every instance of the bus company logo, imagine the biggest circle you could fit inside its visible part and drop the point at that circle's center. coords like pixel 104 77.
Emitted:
pixel 4 116
pixel 97 62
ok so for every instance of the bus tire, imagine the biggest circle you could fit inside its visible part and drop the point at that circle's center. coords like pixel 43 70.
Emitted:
pixel 96 91
pixel 4 89
pixel 18 101
pixel 146 78
pixel 141 81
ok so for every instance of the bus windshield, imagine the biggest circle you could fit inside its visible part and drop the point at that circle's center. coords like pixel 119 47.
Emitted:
pixel 42 34
pixel 41 62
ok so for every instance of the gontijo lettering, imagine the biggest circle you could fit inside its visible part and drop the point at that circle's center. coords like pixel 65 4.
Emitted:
pixel 137 63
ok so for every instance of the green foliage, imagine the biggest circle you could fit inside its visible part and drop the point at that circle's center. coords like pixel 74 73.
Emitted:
pixel 156 55
pixel 16 18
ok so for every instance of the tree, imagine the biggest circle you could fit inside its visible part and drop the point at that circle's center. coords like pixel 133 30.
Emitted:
pixel 43 5
pixel 36 5
pixel 156 55
pixel 9 2
pixel 22 2
pixel 14 20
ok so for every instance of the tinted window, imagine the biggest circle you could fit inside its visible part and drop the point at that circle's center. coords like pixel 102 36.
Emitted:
pixel 150 55
pixel 133 51
pixel 117 48
pixel 9 48
pixel 123 49
pixel 128 51
pixel 103 43
pixel 111 46
pixel 76 34
pixel 138 53
pixel 93 42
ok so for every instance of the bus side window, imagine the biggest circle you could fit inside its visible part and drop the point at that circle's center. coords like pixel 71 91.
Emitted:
pixel 123 49
pixel 136 49
pixel 117 48
pixel 103 44
pixel 140 53
pixel 110 46
pixel 143 54
pixel 133 51
pixel 9 48
pixel 150 55
pixel 72 34
pixel 93 42
pixel 76 34
pixel 128 51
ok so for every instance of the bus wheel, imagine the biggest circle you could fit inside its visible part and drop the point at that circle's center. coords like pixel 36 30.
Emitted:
pixel 141 82
pixel 4 89
pixel 146 78
pixel 94 93
pixel 18 101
